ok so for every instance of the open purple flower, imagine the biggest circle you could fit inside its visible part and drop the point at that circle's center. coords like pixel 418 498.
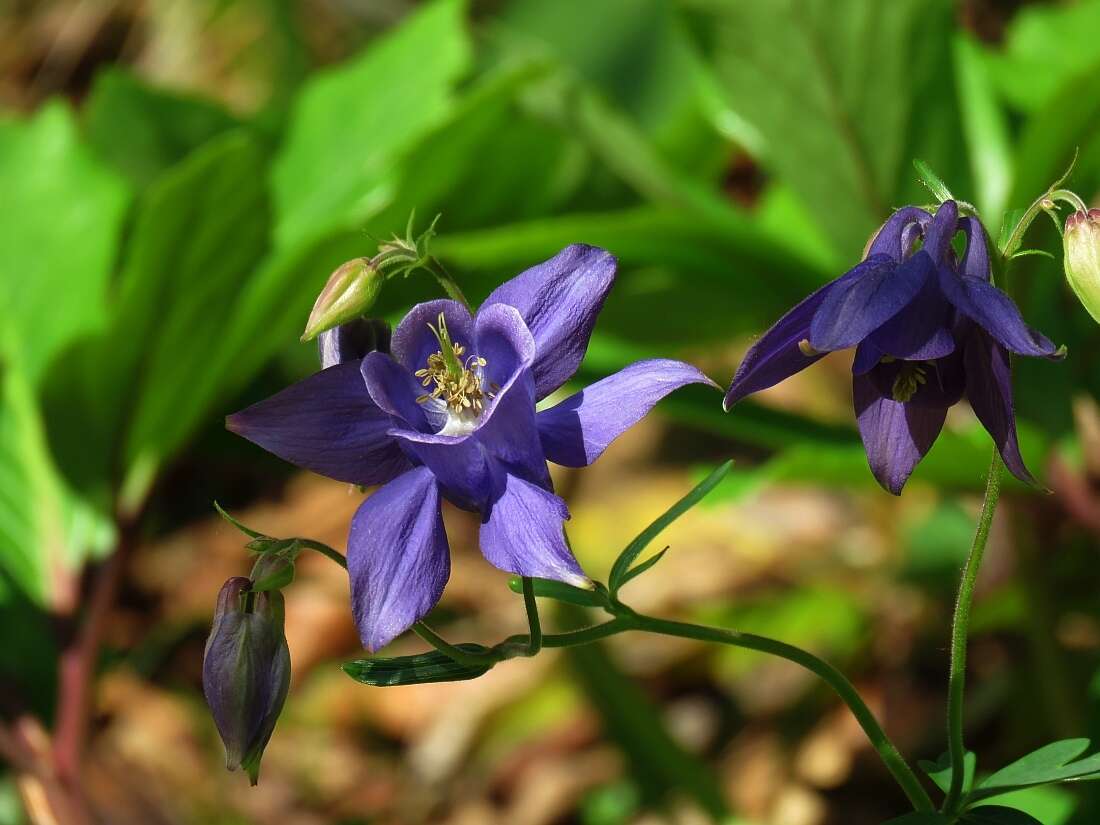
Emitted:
pixel 928 328
pixel 450 413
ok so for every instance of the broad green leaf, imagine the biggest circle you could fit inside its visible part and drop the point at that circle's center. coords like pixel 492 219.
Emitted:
pixel 997 815
pixel 121 404
pixel 844 93
pixel 985 126
pixel 351 124
pixel 1044 47
pixel 141 130
pixel 562 592
pixel 940 771
pixel 1051 137
pixel 198 236
pixel 1050 804
pixel 414 670
pixel 63 212
pixel 626 558
pixel 1056 762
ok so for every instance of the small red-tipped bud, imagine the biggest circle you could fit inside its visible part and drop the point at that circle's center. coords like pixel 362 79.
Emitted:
pixel 1082 258
pixel 349 293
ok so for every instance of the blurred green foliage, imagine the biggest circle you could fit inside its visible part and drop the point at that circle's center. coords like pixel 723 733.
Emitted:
pixel 159 251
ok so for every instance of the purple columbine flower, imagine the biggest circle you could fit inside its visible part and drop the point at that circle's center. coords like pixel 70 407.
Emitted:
pixel 450 413
pixel 928 328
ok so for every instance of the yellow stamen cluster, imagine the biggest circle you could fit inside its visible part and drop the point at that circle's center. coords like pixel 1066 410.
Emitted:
pixel 456 381
pixel 908 381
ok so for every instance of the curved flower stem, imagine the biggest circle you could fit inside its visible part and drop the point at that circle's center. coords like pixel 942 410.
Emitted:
pixel 535 644
pixel 445 279
pixel 886 749
pixel 626 619
pixel 960 627
pixel 325 550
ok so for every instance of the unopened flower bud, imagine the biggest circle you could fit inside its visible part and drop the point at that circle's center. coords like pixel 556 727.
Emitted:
pixel 350 292
pixel 246 671
pixel 353 340
pixel 1082 258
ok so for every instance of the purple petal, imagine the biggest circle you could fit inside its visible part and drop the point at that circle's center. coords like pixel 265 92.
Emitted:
pixel 922 330
pixel 326 423
pixel 975 262
pixel 523 533
pixel 462 462
pixel 353 340
pixel 895 435
pixel 897 235
pixel 459 462
pixel 559 300
pixel 867 357
pixel 996 313
pixel 397 557
pixel 413 340
pixel 940 230
pixel 395 390
pixel 851 312
pixel 777 354
pixel 577 431
pixel 989 390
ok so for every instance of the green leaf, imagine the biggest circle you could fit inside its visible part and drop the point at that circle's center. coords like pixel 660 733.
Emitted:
pixel 1045 46
pixel 63 212
pixel 121 404
pixel 1056 762
pixel 351 124
pixel 997 815
pixel 414 670
pixel 248 531
pixel 638 569
pixel 985 127
pixel 626 558
pixel 931 180
pixel 844 93
pixel 562 592
pixel 141 130
pixel 940 771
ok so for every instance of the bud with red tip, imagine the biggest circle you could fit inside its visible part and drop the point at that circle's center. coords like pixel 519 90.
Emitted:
pixel 1082 261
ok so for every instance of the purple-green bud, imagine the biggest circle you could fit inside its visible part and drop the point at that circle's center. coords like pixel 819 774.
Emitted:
pixel 1082 258
pixel 246 671
pixel 350 292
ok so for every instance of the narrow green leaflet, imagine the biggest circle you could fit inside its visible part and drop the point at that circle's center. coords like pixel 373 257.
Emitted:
pixel 638 569
pixel 933 181
pixel 1056 762
pixel 997 815
pixel 351 124
pixel 414 670
pixel 63 212
pixel 626 559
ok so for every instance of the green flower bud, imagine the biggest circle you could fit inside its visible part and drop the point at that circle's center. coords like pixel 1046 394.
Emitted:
pixel 1082 261
pixel 246 671
pixel 349 293
pixel 274 569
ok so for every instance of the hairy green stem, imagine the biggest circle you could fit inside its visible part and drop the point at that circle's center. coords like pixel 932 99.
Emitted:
pixel 960 628
pixel 887 751
pixel 447 282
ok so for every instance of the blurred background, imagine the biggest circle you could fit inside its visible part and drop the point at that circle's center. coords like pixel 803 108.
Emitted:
pixel 179 177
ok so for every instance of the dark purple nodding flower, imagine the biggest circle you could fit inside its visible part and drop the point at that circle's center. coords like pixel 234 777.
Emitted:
pixel 246 671
pixel 450 413
pixel 928 328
